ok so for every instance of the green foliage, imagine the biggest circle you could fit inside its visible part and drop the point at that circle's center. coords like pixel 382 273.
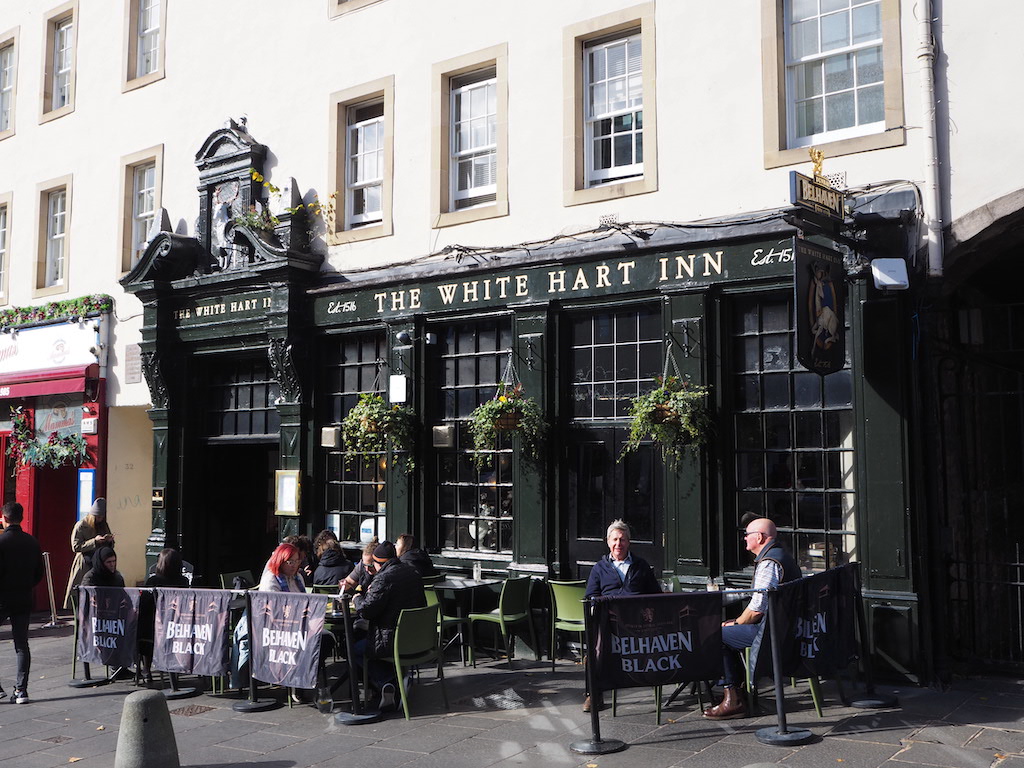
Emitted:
pixel 508 411
pixel 56 310
pixel 674 415
pixel 258 220
pixel 373 427
pixel 57 451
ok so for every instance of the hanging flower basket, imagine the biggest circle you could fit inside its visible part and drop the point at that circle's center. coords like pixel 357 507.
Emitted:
pixel 508 412
pixel 373 427
pixel 58 450
pixel 507 422
pixel 664 414
pixel 674 415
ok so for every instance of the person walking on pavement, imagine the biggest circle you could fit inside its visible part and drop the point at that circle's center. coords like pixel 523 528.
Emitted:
pixel 619 573
pixel 21 568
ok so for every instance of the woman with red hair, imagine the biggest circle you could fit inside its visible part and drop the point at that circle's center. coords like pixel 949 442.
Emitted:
pixel 282 571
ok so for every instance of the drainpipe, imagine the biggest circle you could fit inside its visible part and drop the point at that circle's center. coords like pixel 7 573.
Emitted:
pixel 931 194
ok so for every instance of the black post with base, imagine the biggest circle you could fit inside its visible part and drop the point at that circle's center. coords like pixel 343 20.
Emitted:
pixel 253 703
pixel 356 716
pixel 594 745
pixel 780 736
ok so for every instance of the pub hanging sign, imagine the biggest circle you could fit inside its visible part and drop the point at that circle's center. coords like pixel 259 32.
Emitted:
pixel 820 301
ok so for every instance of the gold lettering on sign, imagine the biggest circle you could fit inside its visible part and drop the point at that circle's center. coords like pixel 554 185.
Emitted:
pixel 684 266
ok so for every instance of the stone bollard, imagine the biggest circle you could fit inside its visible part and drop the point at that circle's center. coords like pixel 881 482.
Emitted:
pixel 146 738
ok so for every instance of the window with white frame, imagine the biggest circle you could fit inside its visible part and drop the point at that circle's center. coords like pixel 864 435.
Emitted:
pixel 364 168
pixel 56 223
pixel 148 38
pixel 63 61
pixel 834 69
pixel 6 87
pixel 143 207
pixel 614 109
pixel 3 248
pixel 474 141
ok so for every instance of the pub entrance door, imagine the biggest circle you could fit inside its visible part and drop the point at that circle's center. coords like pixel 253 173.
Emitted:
pixel 600 489
pixel 233 527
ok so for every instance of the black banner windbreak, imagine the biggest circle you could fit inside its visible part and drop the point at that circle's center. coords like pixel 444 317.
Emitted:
pixel 191 631
pixel 648 640
pixel 285 642
pixel 108 625
pixel 819 616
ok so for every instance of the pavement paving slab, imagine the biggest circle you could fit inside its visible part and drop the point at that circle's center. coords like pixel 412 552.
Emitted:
pixel 527 716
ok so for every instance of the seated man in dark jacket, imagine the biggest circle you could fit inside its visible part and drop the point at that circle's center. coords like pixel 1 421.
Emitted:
pixel 405 546
pixel 619 573
pixel 395 587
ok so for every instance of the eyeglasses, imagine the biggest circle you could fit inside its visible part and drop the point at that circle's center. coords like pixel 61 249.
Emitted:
pixel 748 533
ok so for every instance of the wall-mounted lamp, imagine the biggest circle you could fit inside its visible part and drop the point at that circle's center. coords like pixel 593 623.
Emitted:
pixel 330 437
pixel 890 274
pixel 404 338
pixel 86 409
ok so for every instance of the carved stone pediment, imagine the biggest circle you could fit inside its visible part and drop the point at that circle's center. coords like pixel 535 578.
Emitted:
pixel 238 230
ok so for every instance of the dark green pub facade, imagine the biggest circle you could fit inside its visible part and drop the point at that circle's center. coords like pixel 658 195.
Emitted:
pixel 253 357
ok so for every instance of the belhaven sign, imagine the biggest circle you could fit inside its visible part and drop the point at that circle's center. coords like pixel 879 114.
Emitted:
pixel 816 197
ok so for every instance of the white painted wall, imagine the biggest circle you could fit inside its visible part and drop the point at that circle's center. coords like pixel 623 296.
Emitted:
pixel 277 64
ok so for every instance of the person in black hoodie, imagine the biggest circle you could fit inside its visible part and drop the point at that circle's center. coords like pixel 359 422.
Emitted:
pixel 104 571
pixel 333 565
pixel 405 546
pixel 21 568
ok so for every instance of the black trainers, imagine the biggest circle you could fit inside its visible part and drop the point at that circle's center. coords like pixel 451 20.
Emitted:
pixel 3 694
pixel 20 697
pixel 387 698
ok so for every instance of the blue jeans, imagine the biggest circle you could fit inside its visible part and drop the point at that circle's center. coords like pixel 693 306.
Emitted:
pixel 19 633
pixel 734 639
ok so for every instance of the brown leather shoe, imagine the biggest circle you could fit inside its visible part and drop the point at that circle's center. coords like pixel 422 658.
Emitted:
pixel 586 704
pixel 732 706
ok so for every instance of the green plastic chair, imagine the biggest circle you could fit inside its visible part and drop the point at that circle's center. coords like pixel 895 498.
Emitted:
pixel 416 642
pixel 566 611
pixel 812 683
pixel 513 609
pixel 227 579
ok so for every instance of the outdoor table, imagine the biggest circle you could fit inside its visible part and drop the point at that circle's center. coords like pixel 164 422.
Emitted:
pixel 462 593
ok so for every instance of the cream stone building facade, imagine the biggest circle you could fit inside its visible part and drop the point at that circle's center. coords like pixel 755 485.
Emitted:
pixel 455 139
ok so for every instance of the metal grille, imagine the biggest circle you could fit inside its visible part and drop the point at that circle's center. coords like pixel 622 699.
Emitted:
pixel 982 444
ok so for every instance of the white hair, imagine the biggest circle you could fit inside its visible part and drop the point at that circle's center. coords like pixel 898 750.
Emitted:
pixel 618 525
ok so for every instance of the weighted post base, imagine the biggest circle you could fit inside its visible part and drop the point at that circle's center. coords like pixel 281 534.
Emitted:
pixel 180 693
pixel 875 701
pixel 592 747
pixel 773 737
pixel 255 705
pixel 352 718
pixel 89 682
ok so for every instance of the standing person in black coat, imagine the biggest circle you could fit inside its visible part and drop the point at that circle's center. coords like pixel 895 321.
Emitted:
pixel 405 546
pixel 395 587
pixel 21 568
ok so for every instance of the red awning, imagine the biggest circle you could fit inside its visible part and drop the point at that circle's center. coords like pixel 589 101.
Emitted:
pixel 53 382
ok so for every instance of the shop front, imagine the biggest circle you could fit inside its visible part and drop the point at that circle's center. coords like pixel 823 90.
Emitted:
pixel 53 430
pixel 585 330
